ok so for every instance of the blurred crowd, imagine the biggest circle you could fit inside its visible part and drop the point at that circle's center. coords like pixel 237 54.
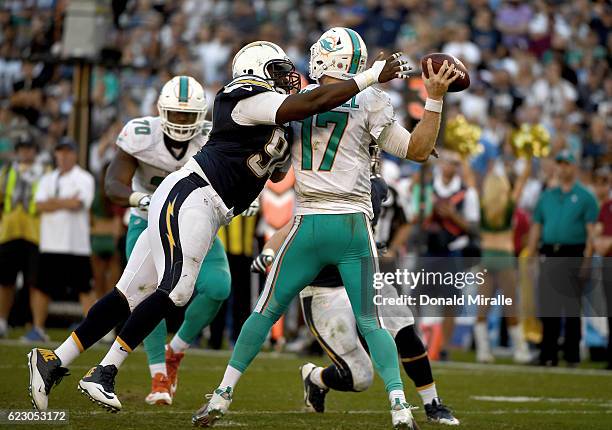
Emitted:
pixel 536 62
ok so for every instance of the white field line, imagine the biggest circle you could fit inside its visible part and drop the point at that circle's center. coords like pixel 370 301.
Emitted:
pixel 364 412
pixel 468 367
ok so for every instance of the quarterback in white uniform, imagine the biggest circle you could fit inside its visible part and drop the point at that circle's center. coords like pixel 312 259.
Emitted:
pixel 331 160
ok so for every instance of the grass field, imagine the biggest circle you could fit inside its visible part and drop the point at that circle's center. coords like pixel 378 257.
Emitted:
pixel 269 396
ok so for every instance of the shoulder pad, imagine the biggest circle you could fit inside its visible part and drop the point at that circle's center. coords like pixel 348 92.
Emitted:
pixel 248 81
pixel 136 135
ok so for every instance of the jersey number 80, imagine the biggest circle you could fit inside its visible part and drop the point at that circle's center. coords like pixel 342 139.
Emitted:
pixel 275 154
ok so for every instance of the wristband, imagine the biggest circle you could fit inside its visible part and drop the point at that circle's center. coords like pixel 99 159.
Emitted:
pixel 433 105
pixel 370 76
pixel 135 198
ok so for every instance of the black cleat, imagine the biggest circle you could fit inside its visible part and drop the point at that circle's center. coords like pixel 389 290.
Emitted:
pixel 314 396
pixel 45 372
pixel 438 413
pixel 98 385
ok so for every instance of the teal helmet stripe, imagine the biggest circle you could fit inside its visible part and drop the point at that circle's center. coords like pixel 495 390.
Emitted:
pixel 183 89
pixel 356 50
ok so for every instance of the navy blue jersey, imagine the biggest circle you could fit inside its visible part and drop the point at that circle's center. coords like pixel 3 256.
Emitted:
pixel 238 159
pixel 329 276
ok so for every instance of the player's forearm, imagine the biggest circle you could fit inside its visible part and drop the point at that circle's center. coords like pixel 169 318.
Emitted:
pixel 321 99
pixel 424 136
pixel 118 192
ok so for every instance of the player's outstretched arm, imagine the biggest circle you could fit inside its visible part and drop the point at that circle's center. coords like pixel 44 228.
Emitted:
pixel 327 97
pixel 425 134
pixel 118 181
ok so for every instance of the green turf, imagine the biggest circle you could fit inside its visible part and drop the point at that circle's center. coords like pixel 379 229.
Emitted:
pixel 269 396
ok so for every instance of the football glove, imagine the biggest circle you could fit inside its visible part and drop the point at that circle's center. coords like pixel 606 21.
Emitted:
pixel 264 260
pixel 140 200
pixel 253 209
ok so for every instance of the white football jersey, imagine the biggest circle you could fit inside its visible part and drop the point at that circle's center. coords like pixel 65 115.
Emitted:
pixel 330 154
pixel 143 139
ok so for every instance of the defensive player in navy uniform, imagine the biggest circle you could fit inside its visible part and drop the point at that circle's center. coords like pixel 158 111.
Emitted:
pixel 247 146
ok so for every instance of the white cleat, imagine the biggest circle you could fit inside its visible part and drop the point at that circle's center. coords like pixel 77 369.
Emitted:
pixel 401 416
pixel 45 372
pixel 98 385
pixel 216 407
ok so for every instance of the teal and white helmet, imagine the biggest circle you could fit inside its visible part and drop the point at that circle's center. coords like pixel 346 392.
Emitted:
pixel 182 107
pixel 339 53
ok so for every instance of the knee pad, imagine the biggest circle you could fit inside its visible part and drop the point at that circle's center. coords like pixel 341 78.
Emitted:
pixel 218 286
pixel 362 374
pixel 182 292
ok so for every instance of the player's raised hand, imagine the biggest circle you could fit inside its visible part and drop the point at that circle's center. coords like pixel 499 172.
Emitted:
pixel 437 83
pixel 393 67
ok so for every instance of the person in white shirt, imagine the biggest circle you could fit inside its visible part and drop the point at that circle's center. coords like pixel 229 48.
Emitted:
pixel 63 199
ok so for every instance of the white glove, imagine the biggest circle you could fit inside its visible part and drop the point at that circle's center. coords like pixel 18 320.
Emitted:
pixel 140 200
pixel 262 261
pixel 253 209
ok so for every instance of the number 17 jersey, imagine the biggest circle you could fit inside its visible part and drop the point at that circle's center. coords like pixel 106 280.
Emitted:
pixel 330 154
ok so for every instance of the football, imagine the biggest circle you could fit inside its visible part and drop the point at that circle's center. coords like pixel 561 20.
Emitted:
pixel 437 59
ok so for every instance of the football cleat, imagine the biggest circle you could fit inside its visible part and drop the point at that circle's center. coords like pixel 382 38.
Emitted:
pixel 173 360
pixel 217 406
pixel 314 396
pixel 45 372
pixel 98 385
pixel 438 413
pixel 160 391
pixel 401 416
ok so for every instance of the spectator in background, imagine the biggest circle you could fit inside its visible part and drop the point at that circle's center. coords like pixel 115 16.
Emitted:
pixel 498 202
pixel 553 93
pixel 19 225
pixel 602 245
pixel 562 228
pixel 452 214
pixel 64 197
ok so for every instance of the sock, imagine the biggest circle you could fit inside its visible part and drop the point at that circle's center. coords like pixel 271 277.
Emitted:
pixel 155 344
pixel 252 336
pixel 428 393
pixel 145 317
pixel 158 368
pixel 103 316
pixel 316 376
pixel 337 378
pixel 230 378
pixel 481 338
pixel 414 357
pixel 117 353
pixel 200 313
pixel 3 325
pixel 69 350
pixel 397 395
pixel 178 345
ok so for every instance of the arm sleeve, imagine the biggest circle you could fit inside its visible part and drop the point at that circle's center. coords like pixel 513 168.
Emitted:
pixel 259 109
pixel 379 112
